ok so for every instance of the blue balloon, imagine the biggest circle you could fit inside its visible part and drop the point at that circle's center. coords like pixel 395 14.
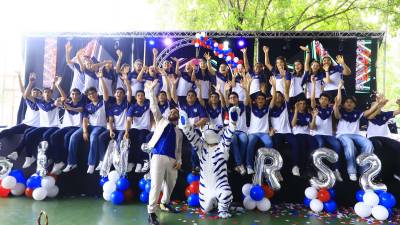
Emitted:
pixel 332 193
pixel 192 177
pixel 123 184
pixel 142 184
pixel 19 176
pixel 330 206
pixel 144 197
pixel 117 197
pixel 360 195
pixel 148 186
pixel 194 200
pixel 378 192
pixel 307 201
pixel 34 182
pixel 103 180
pixel 257 193
pixel 387 199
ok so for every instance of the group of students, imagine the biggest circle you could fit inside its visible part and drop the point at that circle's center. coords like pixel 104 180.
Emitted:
pixel 307 108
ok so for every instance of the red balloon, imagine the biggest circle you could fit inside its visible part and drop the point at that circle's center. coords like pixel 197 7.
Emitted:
pixel 221 46
pixel 28 192
pixel 4 192
pixel 269 193
pixel 240 62
pixel 194 187
pixel 128 195
pixel 205 38
pixel 187 191
pixel 193 41
pixel 216 53
pixel 324 195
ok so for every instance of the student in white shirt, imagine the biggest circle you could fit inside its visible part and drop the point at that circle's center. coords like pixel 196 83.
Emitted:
pixel 333 74
pixel 72 121
pixel 314 70
pixel 110 74
pixel 49 122
pixel 280 70
pixel 222 76
pixel 116 113
pixel 348 130
pixel 258 81
pixel 186 79
pixel 237 80
pixel 322 125
pixel 30 121
pixel 216 108
pixel 94 123
pixel 296 90
pixel 78 78
pixel 379 134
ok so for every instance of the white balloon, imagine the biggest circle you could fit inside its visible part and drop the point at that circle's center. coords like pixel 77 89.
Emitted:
pixel 362 209
pixel 39 193
pixel 249 203
pixel 316 205
pixel 220 56
pixel 48 182
pixel 236 59
pixel 18 190
pixel 215 44
pixel 196 45
pixel 246 189
pixel 9 182
pixel 109 187
pixel 197 35
pixel 311 193
pixel 107 196
pixel 53 191
pixel 203 34
pixel 370 198
pixel 113 176
pixel 228 58
pixel 263 205
pixel 379 212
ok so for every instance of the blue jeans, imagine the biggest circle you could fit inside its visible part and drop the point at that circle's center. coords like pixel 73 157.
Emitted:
pixel 349 142
pixel 279 140
pixel 77 138
pixel 329 142
pixel 238 147
pixel 61 139
pixel 253 138
pixel 35 136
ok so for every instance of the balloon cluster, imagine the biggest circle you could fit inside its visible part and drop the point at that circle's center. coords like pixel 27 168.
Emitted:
pixel 38 187
pixel 221 50
pixel 322 199
pixel 377 203
pixel 14 183
pixel 116 188
pixel 192 191
pixel 255 195
pixel 145 186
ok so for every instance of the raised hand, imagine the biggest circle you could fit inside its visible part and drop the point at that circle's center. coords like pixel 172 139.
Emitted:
pixel 175 59
pixel 68 47
pixel 326 68
pixel 173 80
pixel 314 113
pixel 341 84
pixel 339 59
pixel 57 80
pixel 207 56
pixel 119 53
pixel 304 48
pixel 100 73
pixel 144 69
pixel 155 51
pixel 244 50
pixel 272 81
pixel 217 87
pixel 265 49
pixel 227 85
pixel 32 77
pixel 198 83
pixel 296 107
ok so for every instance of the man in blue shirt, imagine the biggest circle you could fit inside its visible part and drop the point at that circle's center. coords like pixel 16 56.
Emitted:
pixel 166 145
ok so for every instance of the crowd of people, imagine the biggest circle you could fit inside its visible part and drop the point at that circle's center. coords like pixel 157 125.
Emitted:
pixel 306 108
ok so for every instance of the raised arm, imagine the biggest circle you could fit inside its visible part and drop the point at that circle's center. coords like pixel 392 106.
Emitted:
pixel 193 137
pixel 313 87
pixel 221 95
pixel 346 69
pixel 21 84
pixel 246 86
pixel 155 53
pixel 68 49
pixel 296 112
pixel 338 101
pixel 285 86
pixel 245 59
pixel 375 108
pixel 119 60
pixel 266 58
pixel 127 83
pixel 177 71
pixel 174 82
pixel 308 58
pixel 153 101
pixel 313 124
pixel 106 95
pixel 141 73
pixel 57 82
pixel 28 90
pixel 201 100
pixel 228 132
pixel 272 81
pixel 97 66
pixel 79 56
pixel 209 66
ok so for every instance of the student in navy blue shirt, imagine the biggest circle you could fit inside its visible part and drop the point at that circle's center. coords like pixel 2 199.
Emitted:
pixel 94 123
pixel 379 134
pixel 333 74
pixel 185 80
pixel 138 71
pixel 31 119
pixel 221 76
pixel 116 113
pixel 314 70
pixel 348 130
pixel 296 90
pixel 258 81
pixel 216 108
pixel 300 120
pixel 280 70
pixel 78 78
pixel 110 74
pixel 72 121
pixel 197 115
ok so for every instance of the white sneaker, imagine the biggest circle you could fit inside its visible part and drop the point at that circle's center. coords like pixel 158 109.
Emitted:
pixel 99 166
pixel 296 171
pixel 28 162
pixel 338 175
pixel 90 169
pixel 69 168
pixel 353 177
pixel 13 156
pixel 57 167
pixel 250 170
pixel 242 170
pixel 138 168
pixel 145 167
pixel 224 215
pixel 130 167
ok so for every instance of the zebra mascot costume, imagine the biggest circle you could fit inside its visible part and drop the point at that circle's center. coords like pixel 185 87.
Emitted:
pixel 213 151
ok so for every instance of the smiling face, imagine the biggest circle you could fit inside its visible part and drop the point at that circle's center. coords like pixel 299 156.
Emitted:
pixel 138 66
pixel 173 115
pixel 233 99
pixel 36 93
pixel 92 95
pixel 302 105
pixel 162 97
pixel 203 64
pixel 140 97
pixel 223 68
pixel 315 67
pixel 166 65
pixel 298 66
pixel 119 94
pixel 326 61
pixel 261 101
pixel 349 104
pixel 280 63
pixel 258 68
pixel 47 93
pixel 191 97
pixel 214 98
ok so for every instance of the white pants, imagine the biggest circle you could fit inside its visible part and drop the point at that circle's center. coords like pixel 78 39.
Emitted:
pixel 163 176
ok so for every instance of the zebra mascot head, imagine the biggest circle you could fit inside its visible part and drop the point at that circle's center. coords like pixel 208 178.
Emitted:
pixel 212 133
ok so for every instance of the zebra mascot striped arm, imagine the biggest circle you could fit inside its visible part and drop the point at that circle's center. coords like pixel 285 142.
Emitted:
pixel 193 137
pixel 228 132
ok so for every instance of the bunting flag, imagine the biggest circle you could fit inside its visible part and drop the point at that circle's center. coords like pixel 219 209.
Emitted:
pixel 50 61
pixel 363 66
